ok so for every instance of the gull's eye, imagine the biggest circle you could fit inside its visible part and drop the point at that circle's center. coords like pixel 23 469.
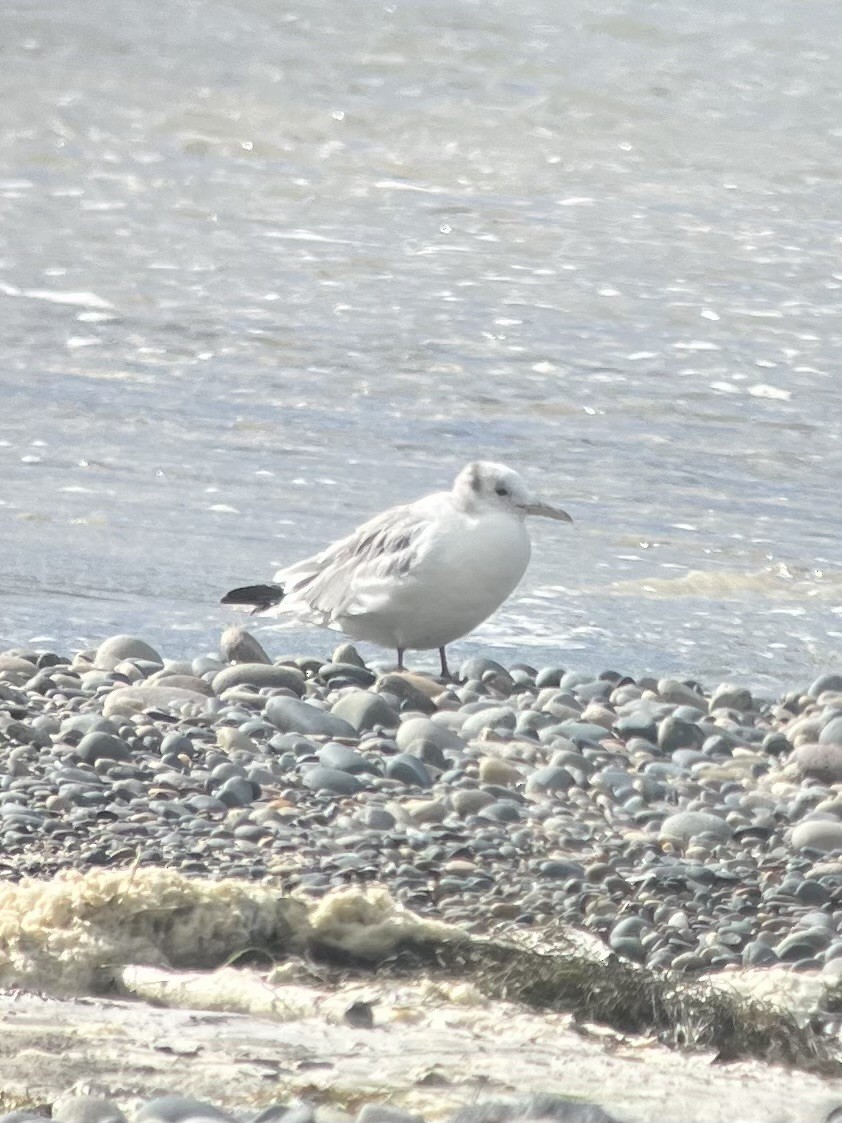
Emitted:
pixel 501 490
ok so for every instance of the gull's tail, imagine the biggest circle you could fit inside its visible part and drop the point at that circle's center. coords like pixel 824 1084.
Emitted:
pixel 256 597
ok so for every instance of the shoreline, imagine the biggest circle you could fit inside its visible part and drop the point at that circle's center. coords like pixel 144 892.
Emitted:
pixel 664 827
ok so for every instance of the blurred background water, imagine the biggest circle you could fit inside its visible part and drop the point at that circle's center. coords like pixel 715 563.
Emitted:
pixel 268 267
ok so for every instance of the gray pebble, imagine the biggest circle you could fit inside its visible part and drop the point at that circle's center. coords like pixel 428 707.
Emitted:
pixel 423 729
pixel 409 770
pixel 470 801
pixel 343 758
pixel 832 682
pixel 831 733
pixel 641 723
pixel 102 746
pixel 820 761
pixel 237 792
pixel 498 718
pixel 673 733
pixel 117 648
pixel 730 697
pixel 321 779
pixel 824 835
pixel 236 645
pixel 86 1109
pixel 686 825
pixel 364 710
pixel 553 778
pixel 291 715
pixel 386 1113
pixel 177 1109
pixel 259 676
pixel 346 674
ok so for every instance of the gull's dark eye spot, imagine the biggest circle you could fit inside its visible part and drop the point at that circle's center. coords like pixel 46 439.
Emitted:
pixel 501 490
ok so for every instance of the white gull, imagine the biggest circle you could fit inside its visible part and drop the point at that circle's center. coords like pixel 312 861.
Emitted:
pixel 417 576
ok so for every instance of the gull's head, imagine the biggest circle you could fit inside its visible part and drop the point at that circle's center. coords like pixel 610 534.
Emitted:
pixel 485 486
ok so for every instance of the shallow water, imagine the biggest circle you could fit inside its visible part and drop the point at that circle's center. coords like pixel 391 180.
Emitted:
pixel 265 270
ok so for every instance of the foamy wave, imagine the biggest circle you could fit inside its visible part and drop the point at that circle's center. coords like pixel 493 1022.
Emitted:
pixel 780 583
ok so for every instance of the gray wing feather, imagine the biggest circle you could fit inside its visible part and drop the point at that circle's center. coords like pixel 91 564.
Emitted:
pixel 348 576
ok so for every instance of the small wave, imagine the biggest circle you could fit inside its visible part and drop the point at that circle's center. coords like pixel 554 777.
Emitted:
pixel 779 582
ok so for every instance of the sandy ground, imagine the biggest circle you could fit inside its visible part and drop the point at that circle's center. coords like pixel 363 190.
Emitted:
pixel 428 1051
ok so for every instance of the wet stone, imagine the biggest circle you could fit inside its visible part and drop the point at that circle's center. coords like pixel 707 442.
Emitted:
pixel 117 648
pixel 826 682
pixel 291 715
pixel 824 835
pixel 686 825
pixel 102 746
pixel 344 758
pixel 409 770
pixel 673 733
pixel 638 724
pixel 259 676
pixel 177 1109
pixel 821 761
pixel 363 711
pixel 320 779
pixel 730 697
pixel 831 733
pixel 236 645
pixel 346 674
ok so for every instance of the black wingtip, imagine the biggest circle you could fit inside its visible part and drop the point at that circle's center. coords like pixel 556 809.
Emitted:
pixel 256 597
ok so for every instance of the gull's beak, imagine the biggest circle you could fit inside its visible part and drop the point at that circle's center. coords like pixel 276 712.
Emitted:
pixel 547 511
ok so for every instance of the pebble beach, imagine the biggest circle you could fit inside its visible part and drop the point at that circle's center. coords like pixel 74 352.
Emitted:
pixel 677 827
pixel 688 828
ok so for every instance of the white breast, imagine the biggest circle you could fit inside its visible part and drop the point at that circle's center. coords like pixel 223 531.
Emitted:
pixel 467 571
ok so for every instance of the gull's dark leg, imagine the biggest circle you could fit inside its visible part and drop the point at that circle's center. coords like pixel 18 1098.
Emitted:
pixel 400 659
pixel 445 671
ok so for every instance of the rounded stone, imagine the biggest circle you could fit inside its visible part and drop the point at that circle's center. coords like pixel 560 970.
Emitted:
pixel 182 681
pixel 347 653
pixel 822 761
pixel 492 770
pixel 320 779
pixel 757 954
pixel 551 778
pixel 237 792
pixel 406 688
pixel 501 718
pixel 825 682
pixel 117 648
pixel 560 870
pixel 824 835
pixel 408 769
pixel 478 665
pixel 86 1109
pixel 260 676
pixel 346 674
pixel 424 729
pixel 831 733
pixel 686 825
pixel 291 715
pixel 364 711
pixel 236 645
pixel 673 733
pixel 343 758
pixel 128 700
pixel 638 724
pixel 102 746
pixel 502 811
pixel 582 731
pixel 470 801
pixel 727 696
pixel 176 1109
pixel 679 693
